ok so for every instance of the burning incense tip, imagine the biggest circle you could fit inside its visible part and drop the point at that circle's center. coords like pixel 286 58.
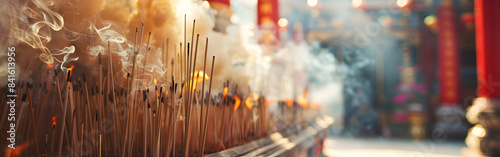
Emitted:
pixel 248 103
pixel 53 122
pixel 225 92
pixel 237 102
pixel 68 77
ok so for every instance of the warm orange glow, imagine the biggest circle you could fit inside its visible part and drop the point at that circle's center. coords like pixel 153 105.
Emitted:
pixel 265 103
pixel 17 151
pixel 198 77
pixel 289 102
pixel 70 69
pixel 155 81
pixel 237 102
pixel 225 92
pixel 248 103
pixel 302 101
pixel 53 121
pixel 255 96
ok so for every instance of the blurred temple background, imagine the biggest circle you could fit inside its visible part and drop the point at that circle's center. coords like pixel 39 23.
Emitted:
pixel 392 70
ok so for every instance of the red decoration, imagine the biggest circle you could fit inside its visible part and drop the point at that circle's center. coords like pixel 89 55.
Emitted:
pixel 467 18
pixel 267 20
pixel 448 57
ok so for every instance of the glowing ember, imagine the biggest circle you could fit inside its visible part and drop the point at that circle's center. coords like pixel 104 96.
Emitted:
pixel 237 102
pixel 54 122
pixel 302 101
pixel 289 102
pixel 248 103
pixel 198 78
pixel 69 70
pixel 225 92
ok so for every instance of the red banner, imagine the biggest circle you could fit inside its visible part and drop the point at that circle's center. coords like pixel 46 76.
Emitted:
pixel 267 20
pixel 448 57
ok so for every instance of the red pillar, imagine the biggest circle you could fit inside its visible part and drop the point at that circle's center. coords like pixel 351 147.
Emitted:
pixel 484 136
pixel 488 47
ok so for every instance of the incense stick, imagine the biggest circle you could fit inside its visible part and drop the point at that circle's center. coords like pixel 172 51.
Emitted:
pixel 190 96
pixel 33 122
pixel 208 107
pixel 161 126
pixel 203 90
pixel 68 85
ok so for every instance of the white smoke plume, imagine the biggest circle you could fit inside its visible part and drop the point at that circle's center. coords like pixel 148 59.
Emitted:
pixel 73 32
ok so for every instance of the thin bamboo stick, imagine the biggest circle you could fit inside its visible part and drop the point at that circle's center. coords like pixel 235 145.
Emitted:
pixel 33 122
pixel 208 107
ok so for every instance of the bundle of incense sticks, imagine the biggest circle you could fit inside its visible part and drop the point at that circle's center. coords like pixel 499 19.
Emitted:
pixel 175 116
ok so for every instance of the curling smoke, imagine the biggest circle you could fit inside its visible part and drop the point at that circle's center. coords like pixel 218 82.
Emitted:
pixel 62 31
